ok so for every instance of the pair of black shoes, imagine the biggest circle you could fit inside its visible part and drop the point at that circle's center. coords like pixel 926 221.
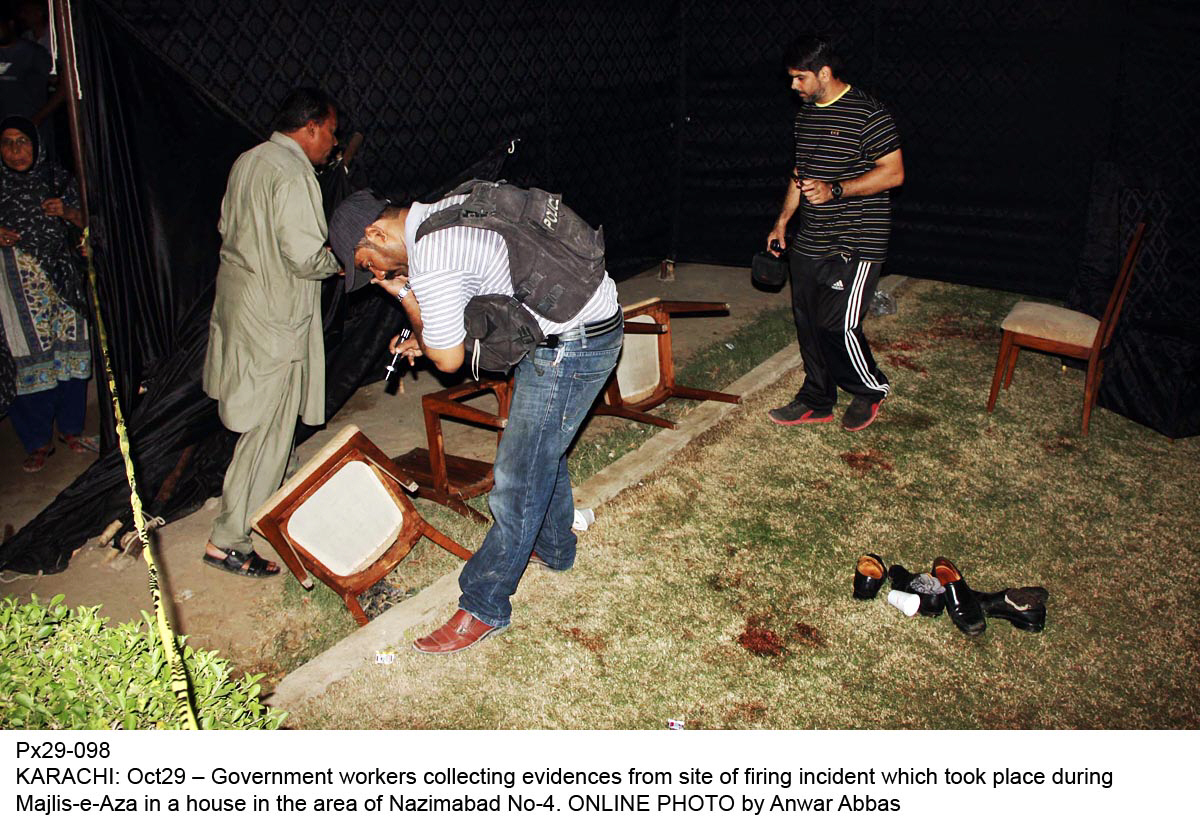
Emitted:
pixel 1024 607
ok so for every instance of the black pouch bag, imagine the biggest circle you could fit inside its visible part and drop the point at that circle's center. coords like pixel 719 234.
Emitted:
pixel 500 332
pixel 770 272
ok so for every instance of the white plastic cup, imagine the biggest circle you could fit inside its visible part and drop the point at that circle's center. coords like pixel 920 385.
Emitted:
pixel 583 519
pixel 906 603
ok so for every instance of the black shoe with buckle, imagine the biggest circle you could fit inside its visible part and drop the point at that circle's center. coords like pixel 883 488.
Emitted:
pixel 245 564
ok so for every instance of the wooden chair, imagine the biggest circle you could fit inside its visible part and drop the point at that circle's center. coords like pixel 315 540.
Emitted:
pixel 446 478
pixel 645 376
pixel 345 518
pixel 1065 332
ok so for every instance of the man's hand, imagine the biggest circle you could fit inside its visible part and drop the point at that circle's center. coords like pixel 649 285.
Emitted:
pixel 816 191
pixel 410 348
pixel 777 240
pixel 8 237
pixel 391 286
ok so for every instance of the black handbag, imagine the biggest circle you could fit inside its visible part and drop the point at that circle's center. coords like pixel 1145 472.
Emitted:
pixel 770 273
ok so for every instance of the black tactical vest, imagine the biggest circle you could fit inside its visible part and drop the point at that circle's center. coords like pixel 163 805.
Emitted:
pixel 555 258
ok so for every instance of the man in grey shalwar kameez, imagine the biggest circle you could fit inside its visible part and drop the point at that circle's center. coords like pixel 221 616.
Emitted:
pixel 266 358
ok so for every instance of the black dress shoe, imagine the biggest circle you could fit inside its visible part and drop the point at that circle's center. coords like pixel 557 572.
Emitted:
pixel 1025 607
pixel 868 576
pixel 933 601
pixel 961 601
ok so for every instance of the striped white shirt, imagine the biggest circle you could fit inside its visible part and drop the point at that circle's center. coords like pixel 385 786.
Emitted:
pixel 448 268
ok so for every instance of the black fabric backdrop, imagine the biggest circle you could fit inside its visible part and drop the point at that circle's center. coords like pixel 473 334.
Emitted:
pixel 1030 130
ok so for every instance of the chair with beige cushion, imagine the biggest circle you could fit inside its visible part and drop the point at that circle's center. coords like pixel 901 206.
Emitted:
pixel 1064 332
pixel 344 517
pixel 645 375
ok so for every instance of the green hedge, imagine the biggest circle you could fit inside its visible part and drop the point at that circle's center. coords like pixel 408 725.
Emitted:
pixel 64 669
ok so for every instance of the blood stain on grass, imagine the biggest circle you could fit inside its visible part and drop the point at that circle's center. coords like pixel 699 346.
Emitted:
pixel 759 640
pixel 906 362
pixel 864 461
pixel 808 635
pixel 592 642
pixel 901 346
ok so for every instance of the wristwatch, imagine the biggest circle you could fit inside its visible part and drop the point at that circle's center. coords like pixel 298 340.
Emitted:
pixel 403 291
pixel 836 188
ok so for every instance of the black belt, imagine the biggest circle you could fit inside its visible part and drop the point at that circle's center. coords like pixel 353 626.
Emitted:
pixel 598 328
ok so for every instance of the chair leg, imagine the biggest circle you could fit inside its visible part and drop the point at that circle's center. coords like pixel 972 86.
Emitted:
pixel 457 504
pixel 636 416
pixel 444 541
pixel 1001 365
pixel 1014 351
pixel 352 604
pixel 1091 386
pixel 682 392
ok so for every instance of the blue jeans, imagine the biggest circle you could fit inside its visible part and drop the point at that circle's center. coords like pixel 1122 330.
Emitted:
pixel 531 502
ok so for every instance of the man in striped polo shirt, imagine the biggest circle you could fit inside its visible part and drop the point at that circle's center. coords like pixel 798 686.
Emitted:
pixel 555 385
pixel 847 159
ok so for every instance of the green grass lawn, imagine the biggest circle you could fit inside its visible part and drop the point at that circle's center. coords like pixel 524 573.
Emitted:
pixel 718 590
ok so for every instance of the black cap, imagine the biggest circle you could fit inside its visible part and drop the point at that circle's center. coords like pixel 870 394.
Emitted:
pixel 350 219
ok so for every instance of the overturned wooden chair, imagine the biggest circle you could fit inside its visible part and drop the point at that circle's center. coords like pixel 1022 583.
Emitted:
pixel 447 478
pixel 645 376
pixel 344 518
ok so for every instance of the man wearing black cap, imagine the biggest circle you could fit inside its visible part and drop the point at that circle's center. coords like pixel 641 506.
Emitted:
pixel 266 355
pixel 436 274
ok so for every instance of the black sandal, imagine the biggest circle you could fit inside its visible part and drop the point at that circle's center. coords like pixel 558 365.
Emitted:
pixel 248 564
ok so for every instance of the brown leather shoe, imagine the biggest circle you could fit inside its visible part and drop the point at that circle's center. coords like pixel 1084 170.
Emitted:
pixel 460 633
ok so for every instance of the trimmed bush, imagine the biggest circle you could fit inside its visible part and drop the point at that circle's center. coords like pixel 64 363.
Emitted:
pixel 64 669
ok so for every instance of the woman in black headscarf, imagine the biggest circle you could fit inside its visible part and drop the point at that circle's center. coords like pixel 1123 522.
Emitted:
pixel 45 358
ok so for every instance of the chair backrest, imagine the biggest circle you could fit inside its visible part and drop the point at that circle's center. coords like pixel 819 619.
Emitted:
pixel 1112 312
pixel 639 370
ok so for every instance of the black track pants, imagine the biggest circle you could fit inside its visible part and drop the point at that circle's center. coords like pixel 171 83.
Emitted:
pixel 829 301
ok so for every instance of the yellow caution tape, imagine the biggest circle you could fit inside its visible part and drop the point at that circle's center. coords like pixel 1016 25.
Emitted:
pixel 179 678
